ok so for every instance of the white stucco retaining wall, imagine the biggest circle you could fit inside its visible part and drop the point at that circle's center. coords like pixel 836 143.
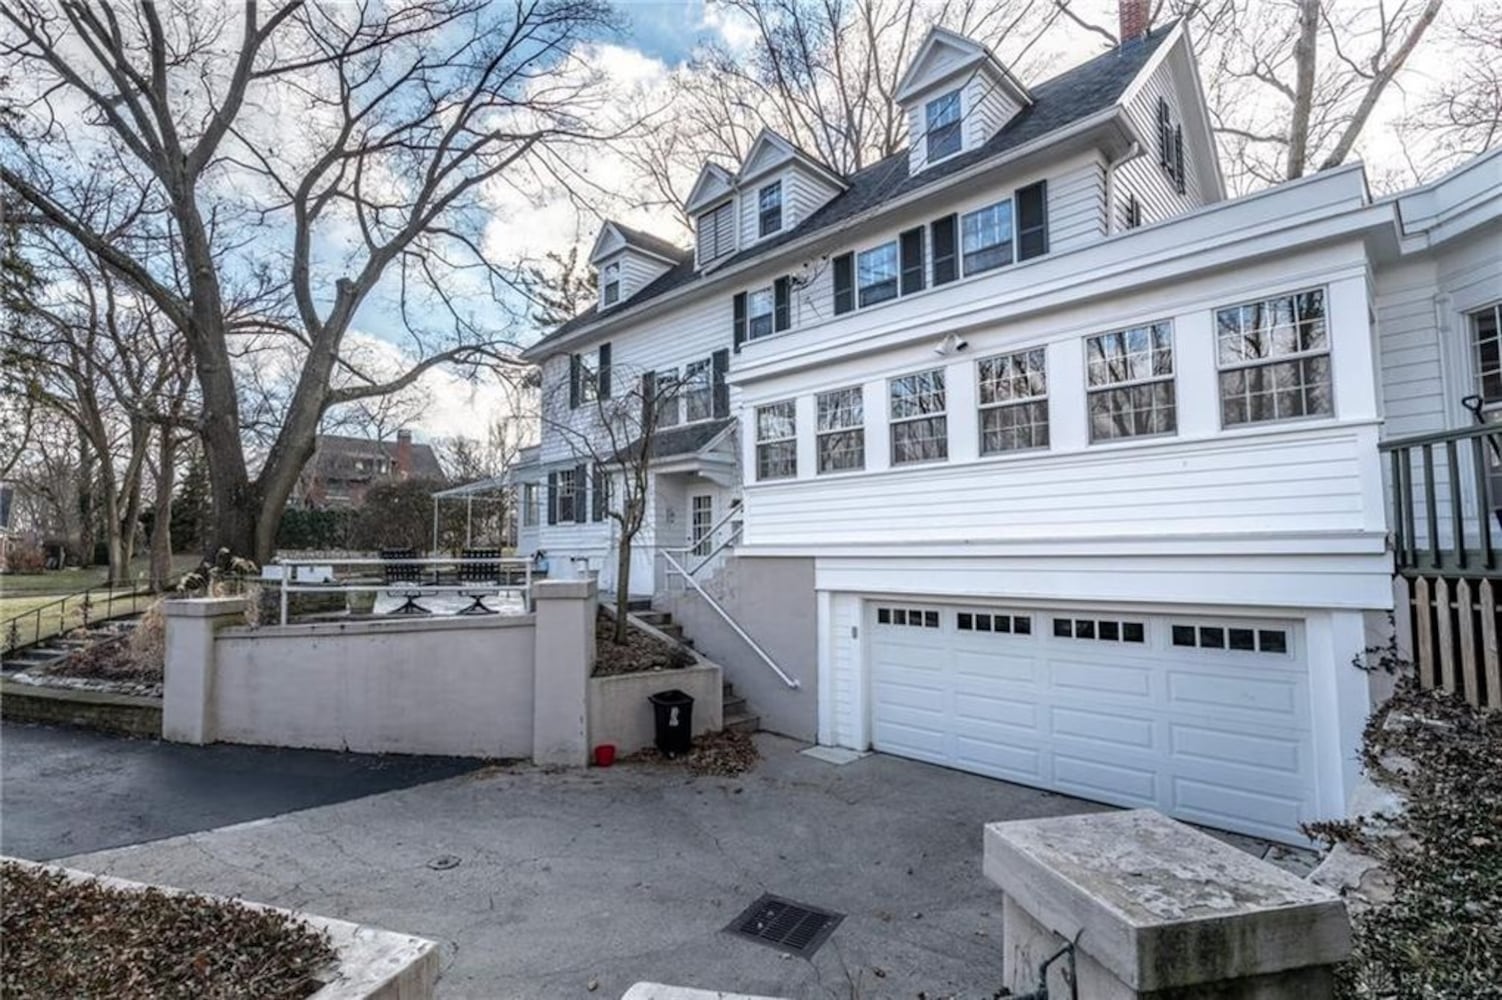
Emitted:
pixel 461 687
pixel 621 715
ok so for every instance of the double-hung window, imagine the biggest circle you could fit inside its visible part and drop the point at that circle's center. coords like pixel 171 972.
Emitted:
pixel 1274 358
pixel 876 274
pixel 769 209
pixel 698 391
pixel 777 441
pixel 760 304
pixel 1129 383
pixel 1013 402
pixel 986 237
pixel 529 505
pixel 666 398
pixel 568 496
pixel 841 430
pixel 941 117
pixel 612 284
pixel 1486 346
pixel 920 429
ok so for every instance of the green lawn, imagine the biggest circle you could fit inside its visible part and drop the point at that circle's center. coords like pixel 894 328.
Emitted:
pixel 70 581
pixel 57 618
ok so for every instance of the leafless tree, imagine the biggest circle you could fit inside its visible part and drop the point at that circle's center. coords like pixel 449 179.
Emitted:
pixel 612 425
pixel 1461 116
pixel 101 357
pixel 560 287
pixel 271 172
pixel 512 427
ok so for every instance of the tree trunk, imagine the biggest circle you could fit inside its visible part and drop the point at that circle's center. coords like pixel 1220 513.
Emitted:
pixel 161 524
pixel 622 588
pixel 84 540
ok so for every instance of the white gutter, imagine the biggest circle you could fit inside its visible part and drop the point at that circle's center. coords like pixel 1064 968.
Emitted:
pixel 1113 115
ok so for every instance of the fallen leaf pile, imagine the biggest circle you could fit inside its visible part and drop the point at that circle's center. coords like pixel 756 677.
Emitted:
pixel 1440 936
pixel 65 938
pixel 722 755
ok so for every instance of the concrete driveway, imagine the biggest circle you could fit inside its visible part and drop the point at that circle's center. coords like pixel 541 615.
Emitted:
pixel 619 875
pixel 613 876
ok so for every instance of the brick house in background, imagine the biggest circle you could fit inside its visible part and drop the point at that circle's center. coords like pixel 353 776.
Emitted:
pixel 344 468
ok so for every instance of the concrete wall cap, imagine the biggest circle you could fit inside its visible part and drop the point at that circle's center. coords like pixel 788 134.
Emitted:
pixel 1160 904
pixel 561 589
pixel 390 625
pixel 204 607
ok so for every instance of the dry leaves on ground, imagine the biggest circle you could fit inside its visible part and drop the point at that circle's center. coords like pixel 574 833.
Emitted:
pixel 723 755
pixel 66 938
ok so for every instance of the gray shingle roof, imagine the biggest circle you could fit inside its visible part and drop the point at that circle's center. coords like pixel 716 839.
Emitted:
pixel 670 442
pixel 1070 97
pixel 653 244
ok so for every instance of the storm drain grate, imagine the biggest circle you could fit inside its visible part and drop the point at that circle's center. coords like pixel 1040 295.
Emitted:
pixel 785 925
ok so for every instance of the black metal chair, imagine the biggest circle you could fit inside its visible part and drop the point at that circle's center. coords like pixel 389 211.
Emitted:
pixel 400 572
pixel 474 574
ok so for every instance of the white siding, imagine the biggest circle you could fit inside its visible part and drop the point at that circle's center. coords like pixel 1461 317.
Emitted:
pixel 1412 362
pixel 986 108
pixel 637 272
pixel 1077 207
pixel 1143 176
pixel 803 195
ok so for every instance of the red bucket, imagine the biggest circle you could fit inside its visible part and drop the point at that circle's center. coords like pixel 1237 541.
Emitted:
pixel 604 755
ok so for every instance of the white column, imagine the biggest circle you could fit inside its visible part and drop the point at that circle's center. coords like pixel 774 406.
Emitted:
pixel 1068 429
pixel 1339 703
pixel 824 632
pixel 878 444
pixel 1197 384
pixel 807 414
pixel 564 656
pixel 188 672
pixel 960 404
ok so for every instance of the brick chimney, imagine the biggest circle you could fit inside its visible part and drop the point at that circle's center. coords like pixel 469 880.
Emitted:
pixel 403 461
pixel 1133 15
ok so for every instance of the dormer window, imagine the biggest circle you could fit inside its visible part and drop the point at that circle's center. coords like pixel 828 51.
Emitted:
pixel 612 284
pixel 942 126
pixel 769 209
pixel 717 232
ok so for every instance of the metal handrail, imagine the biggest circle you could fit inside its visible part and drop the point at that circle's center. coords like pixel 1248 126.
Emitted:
pixel 791 682
pixel 1440 437
pixel 10 629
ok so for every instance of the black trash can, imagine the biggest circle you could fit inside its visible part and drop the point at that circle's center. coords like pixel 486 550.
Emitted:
pixel 673 712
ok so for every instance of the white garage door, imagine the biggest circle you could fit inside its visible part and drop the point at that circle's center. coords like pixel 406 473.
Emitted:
pixel 1204 719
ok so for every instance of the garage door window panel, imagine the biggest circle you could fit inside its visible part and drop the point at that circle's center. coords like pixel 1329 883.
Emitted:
pixel 1236 638
pixel 1100 629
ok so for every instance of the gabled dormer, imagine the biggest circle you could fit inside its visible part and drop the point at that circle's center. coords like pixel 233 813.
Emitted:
pixel 627 260
pixel 779 186
pixel 956 95
pixel 712 206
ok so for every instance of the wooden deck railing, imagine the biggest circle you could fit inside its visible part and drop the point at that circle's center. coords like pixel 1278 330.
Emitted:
pixel 1444 493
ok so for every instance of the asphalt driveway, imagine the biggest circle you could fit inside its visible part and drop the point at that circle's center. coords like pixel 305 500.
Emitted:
pixel 66 791
pixel 626 874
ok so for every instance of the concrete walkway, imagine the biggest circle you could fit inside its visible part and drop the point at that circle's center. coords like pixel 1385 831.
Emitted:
pixel 608 877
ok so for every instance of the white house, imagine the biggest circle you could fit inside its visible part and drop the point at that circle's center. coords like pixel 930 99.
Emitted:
pixel 1026 452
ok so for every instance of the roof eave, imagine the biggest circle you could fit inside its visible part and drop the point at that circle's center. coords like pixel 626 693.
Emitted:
pixel 1106 120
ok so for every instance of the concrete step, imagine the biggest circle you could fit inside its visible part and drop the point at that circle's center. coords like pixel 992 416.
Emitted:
pixel 733 707
pixel 673 631
pixel 657 619
pixel 742 723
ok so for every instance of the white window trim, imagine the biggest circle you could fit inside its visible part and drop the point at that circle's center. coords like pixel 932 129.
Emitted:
pixel 893 422
pixel 529 505
pixel 759 440
pixel 820 435
pixel 1011 202
pixel 781 209
pixel 982 408
pixel 1473 352
pixel 771 314
pixel 1172 378
pixel 896 245
pixel 959 95
pixel 1220 367
pixel 700 542
pixel 573 494
pixel 612 277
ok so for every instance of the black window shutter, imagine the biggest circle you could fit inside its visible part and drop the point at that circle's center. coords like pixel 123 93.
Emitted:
pixel 1032 220
pixel 946 251
pixel 1163 133
pixel 573 381
pixel 782 306
pixel 604 373
pixel 740 320
pixel 844 283
pixel 1178 158
pixel 720 363
pixel 602 490
pixel 580 513
pixel 912 261
pixel 552 498
pixel 648 399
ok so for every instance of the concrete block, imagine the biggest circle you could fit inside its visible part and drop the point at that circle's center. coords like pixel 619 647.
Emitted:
pixel 564 655
pixel 188 670
pixel 1157 906
pixel 369 963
